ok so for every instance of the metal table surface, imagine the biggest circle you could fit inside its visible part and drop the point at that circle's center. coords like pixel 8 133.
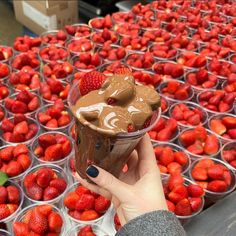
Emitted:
pixel 217 220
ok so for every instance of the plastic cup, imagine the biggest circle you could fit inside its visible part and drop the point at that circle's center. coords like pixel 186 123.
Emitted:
pixel 73 220
pixel 44 35
pixel 21 214
pixel 108 152
pixel 195 156
pixel 175 148
pixel 191 105
pixel 18 178
pixel 174 136
pixel 98 230
pixel 220 116
pixel 210 196
pixel 60 162
pixel 60 173
pixel 11 217
pixel 28 142
pixel 172 100
pixel 28 114
pixel 226 147
pixel 185 219
pixel 4 233
pixel 63 129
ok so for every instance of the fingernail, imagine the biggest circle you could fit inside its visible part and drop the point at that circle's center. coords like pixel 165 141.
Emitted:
pixel 92 171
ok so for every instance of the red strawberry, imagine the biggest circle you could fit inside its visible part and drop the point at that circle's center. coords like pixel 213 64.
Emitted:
pixel 205 163
pixel 181 158
pixel 24 96
pixel 7 125
pixel 45 209
pixel 38 222
pixel 199 173
pixel 211 145
pixel 44 176
pixel 35 192
pixel 195 191
pixel 29 179
pixel 215 172
pixel 20 229
pixel 54 152
pixel 166 156
pixel 164 135
pixel 63 120
pixel 71 199
pixel 50 193
pixel 86 202
pixel 183 208
pixel 174 180
pixel 4 211
pixel 195 203
pixel 66 148
pixel 43 118
pixel 123 71
pixel 3 195
pixel 217 186
pixel 33 104
pixel 82 190
pixel 178 193
pixel 229 122
pixel 20 149
pixel 52 124
pixel 19 107
pixel 21 128
pixel 89 215
pixel 13 194
pixel 187 138
pixel 59 183
pixel 6 154
pixel 55 222
pixel 47 140
pixel 217 126
pixel 91 81
pixel 13 169
pixel 170 205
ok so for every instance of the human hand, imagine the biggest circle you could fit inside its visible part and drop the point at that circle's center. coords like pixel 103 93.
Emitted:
pixel 136 192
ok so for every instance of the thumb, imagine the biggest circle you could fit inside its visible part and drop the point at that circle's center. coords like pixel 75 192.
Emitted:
pixel 107 181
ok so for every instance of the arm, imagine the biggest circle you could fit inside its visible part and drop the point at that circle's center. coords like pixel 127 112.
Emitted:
pixel 158 223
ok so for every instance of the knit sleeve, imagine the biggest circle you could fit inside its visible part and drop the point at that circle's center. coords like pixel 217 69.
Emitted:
pixel 156 223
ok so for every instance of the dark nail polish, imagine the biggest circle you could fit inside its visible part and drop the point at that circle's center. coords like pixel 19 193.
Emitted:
pixel 92 171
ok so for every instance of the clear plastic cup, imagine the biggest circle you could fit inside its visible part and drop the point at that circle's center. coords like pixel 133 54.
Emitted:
pixel 4 233
pixel 28 142
pixel 11 217
pixel 195 156
pixel 11 52
pixel 191 105
pixel 5 79
pixel 175 148
pixel 60 129
pixel 28 114
pixel 73 220
pixel 108 152
pixel 185 219
pixel 210 196
pixel 174 135
pixel 22 213
pixel 60 173
pixel 60 162
pixel 18 178
pixel 228 146
pixel 220 116
pixel 172 100
pixel 98 230
pixel 44 35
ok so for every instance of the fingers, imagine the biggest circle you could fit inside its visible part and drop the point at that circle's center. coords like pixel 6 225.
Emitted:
pixel 147 159
pixel 108 182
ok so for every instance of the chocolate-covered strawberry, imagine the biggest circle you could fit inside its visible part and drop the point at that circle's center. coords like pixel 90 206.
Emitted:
pixel 224 126
pixel 188 114
pixel 15 160
pixel 165 130
pixel 24 102
pixel 10 200
pixel 100 23
pixel 54 117
pixel 18 129
pixel 216 100
pixel 54 37
pixel 26 60
pixel 25 80
pixel 44 183
pixel 4 71
pixel 212 175
pixel 78 30
pixel 83 205
pixel 182 196
pixel 171 158
pixel 200 142
pixel 41 219
pixel 52 147
pixel 54 89
pixel 105 36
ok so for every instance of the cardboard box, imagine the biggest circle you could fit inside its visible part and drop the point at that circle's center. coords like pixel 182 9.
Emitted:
pixel 44 15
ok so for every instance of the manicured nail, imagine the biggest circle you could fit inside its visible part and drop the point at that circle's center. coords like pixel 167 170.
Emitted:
pixel 92 171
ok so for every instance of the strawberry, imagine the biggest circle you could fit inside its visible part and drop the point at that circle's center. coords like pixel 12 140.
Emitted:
pixel 183 208
pixel 174 167
pixel 38 222
pixel 13 194
pixel 6 154
pixel 195 191
pixel 217 126
pixel 54 152
pixel 181 158
pixel 44 176
pixel 196 148
pixel 215 172
pixel 211 145
pixel 217 186
pixel 123 71
pixel 164 135
pixel 166 156
pixel 35 192
pixel 59 183
pixel 82 190
pixel 4 211
pixel 170 205
pixel 21 128
pixel 50 193
pixel 33 104
pixel 20 149
pixel 13 169
pixel 91 81
pixel 86 202
pixel 178 193
pixel 55 222
pixel 29 179
pixel 3 195
pixel 229 122
pixel 174 180
pixel 199 173
pixel 52 124
pixel 7 125
pixel 187 138
pixel 47 140
pixel 86 230
pixel 195 203
pixel 43 118
pixel 20 229
pixel 19 107
pixel 89 215
pixel 71 199
pixel 45 209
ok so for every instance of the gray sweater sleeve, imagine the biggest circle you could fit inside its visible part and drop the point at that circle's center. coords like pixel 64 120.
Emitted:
pixel 156 223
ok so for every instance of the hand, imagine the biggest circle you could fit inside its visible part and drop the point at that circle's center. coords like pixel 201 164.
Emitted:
pixel 136 192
